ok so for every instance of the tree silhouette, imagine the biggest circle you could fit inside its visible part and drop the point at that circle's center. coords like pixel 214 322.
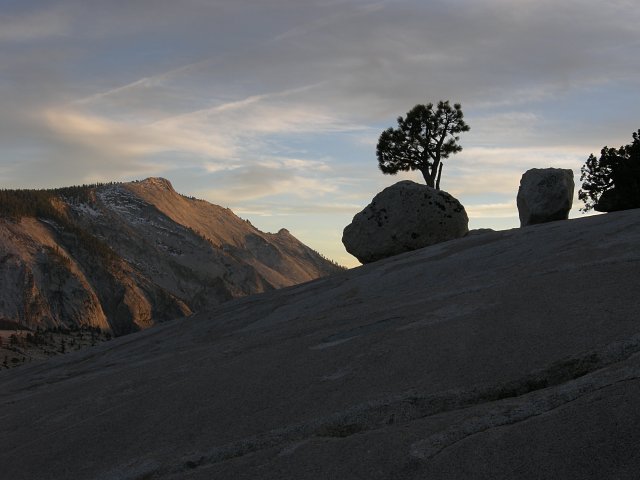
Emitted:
pixel 612 181
pixel 422 140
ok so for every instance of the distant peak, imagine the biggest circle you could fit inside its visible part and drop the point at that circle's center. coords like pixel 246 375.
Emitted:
pixel 157 182
pixel 284 231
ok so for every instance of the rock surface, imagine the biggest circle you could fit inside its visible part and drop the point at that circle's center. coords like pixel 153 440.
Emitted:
pixel 123 257
pixel 442 363
pixel 480 231
pixel 545 195
pixel 404 217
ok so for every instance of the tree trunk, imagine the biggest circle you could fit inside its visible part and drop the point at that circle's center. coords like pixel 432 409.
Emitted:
pixel 434 171
pixel 427 177
pixel 439 175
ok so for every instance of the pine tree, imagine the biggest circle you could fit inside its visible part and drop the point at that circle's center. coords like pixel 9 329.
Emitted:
pixel 422 140
pixel 612 181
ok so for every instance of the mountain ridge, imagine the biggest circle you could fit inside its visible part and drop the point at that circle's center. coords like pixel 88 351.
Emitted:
pixel 124 256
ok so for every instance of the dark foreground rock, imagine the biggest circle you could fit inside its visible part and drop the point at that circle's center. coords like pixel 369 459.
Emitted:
pixel 545 195
pixel 479 231
pixel 513 354
pixel 404 217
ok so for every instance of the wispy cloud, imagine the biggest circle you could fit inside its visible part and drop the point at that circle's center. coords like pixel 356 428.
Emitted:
pixel 268 112
pixel 132 140
pixel 132 88
pixel 240 185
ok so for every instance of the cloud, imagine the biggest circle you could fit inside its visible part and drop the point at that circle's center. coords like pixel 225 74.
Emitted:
pixel 336 17
pixel 272 113
pixel 277 106
pixel 26 26
pixel 511 127
pixel 257 181
pixel 270 209
pixel 131 140
pixel 485 54
pixel 284 163
pixel 492 210
pixel 75 141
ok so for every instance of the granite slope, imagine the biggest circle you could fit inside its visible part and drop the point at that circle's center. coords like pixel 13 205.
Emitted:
pixel 511 354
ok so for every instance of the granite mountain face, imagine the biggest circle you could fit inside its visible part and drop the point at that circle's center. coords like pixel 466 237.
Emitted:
pixel 125 256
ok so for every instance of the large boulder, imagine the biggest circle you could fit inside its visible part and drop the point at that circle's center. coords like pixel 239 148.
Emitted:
pixel 545 195
pixel 403 217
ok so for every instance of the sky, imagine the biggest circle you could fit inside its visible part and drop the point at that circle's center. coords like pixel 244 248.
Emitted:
pixel 273 108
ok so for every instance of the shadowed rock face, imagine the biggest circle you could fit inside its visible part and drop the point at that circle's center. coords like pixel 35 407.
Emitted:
pixel 512 354
pixel 127 256
pixel 545 195
pixel 404 217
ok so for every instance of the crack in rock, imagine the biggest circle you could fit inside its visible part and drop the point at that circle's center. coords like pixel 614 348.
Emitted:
pixel 544 390
pixel 509 413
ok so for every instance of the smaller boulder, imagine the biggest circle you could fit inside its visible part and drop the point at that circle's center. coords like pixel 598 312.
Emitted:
pixel 403 217
pixel 545 195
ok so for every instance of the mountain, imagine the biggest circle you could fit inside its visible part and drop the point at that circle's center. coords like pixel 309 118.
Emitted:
pixel 122 257
pixel 512 354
